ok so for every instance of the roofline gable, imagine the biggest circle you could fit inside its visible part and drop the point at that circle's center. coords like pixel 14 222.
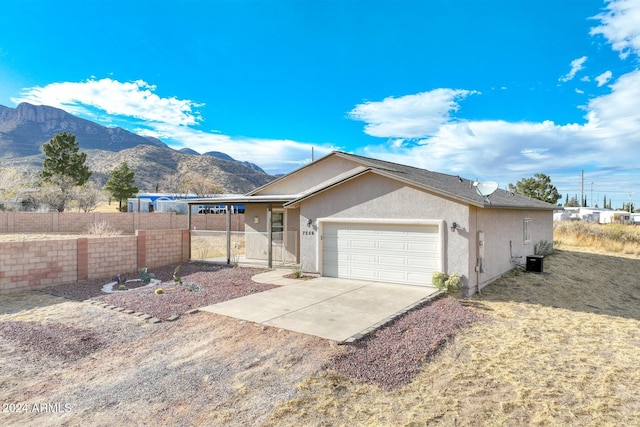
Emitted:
pixel 419 178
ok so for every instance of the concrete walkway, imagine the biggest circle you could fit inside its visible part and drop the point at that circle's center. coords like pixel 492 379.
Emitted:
pixel 335 309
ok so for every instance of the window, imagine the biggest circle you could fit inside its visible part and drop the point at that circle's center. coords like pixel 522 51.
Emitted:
pixel 277 225
pixel 527 230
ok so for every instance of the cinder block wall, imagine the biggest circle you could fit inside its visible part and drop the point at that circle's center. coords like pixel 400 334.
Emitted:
pixel 106 257
pixel 162 248
pixel 37 264
pixel 32 265
pixel 76 222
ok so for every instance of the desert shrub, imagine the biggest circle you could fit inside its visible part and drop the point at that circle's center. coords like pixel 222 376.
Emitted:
pixel 446 283
pixel 101 228
pixel 543 247
pixel 609 237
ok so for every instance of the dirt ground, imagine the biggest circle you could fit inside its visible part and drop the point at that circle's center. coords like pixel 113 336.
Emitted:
pixel 558 348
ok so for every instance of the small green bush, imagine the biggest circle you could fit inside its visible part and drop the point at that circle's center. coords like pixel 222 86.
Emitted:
pixel 446 283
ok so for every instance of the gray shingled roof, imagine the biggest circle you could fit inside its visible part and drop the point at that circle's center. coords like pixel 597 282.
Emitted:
pixel 449 185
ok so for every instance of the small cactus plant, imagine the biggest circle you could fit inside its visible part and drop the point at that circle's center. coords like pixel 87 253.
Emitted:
pixel 146 276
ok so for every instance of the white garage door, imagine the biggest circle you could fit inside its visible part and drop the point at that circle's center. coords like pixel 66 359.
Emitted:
pixel 407 254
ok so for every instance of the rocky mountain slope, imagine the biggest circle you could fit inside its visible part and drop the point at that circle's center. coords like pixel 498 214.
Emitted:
pixel 155 166
pixel 25 128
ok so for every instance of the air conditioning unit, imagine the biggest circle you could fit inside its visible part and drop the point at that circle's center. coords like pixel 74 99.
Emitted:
pixel 535 263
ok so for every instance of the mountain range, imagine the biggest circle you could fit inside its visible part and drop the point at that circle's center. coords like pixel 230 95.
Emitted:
pixel 24 129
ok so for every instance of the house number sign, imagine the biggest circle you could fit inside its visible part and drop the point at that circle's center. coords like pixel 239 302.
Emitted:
pixel 308 233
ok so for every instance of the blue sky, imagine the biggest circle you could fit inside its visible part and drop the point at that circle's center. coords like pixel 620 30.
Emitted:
pixel 488 89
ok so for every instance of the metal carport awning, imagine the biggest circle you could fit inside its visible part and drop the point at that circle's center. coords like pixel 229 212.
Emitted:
pixel 228 201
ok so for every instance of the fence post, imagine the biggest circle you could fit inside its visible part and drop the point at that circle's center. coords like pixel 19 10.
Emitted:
pixel 82 246
pixel 141 239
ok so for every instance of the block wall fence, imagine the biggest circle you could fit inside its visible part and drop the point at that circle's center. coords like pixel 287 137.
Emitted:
pixel 128 222
pixel 151 240
pixel 36 264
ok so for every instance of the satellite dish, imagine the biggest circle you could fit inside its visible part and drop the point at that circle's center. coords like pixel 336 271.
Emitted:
pixel 486 189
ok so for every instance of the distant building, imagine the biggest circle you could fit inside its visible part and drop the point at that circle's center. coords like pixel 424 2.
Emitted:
pixel 602 216
pixel 164 202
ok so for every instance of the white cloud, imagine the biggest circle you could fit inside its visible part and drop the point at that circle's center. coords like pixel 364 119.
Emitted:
pixel 617 114
pixel 576 65
pixel 273 155
pixel 410 116
pixel 620 25
pixel 506 151
pixel 603 78
pixel 580 91
pixel 169 119
pixel 133 99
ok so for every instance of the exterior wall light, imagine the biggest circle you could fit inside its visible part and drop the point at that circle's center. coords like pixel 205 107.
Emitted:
pixel 454 226
pixel 309 222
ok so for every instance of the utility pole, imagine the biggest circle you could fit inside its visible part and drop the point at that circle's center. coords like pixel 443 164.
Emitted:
pixel 591 205
pixel 582 190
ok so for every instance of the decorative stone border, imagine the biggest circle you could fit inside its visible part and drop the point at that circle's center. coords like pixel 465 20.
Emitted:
pixel 108 288
pixel 142 316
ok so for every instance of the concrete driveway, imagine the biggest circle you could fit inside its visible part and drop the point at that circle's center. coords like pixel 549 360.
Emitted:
pixel 335 309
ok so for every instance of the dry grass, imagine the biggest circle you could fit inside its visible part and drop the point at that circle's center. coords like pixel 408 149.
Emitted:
pixel 214 245
pixel 614 238
pixel 558 348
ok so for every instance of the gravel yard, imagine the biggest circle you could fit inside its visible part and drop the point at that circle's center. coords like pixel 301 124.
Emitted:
pixel 90 364
pixel 558 348
pixel 215 284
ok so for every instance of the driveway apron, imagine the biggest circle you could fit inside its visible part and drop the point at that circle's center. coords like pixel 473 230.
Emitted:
pixel 331 308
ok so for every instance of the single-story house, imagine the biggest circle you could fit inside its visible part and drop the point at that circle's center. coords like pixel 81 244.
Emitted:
pixel 355 217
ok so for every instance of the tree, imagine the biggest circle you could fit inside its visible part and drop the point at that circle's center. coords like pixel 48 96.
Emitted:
pixel 120 184
pixel 170 184
pixel 14 184
pixel 573 202
pixel 199 185
pixel 63 157
pixel 63 168
pixel 87 197
pixel 539 187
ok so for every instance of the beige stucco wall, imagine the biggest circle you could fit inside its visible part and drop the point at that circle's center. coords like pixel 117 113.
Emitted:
pixel 310 176
pixel 503 238
pixel 372 196
pixel 256 237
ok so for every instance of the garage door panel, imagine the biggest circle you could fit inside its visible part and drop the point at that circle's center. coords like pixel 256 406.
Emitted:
pixel 392 276
pixel 392 245
pixel 363 258
pixel 361 244
pixel 420 277
pixel 392 261
pixel 395 253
